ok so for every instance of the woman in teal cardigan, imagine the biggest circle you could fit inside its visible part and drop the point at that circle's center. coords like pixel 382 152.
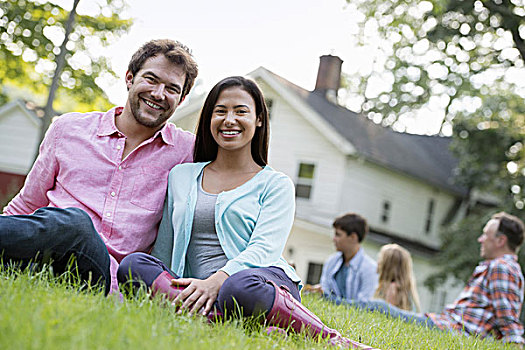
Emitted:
pixel 226 221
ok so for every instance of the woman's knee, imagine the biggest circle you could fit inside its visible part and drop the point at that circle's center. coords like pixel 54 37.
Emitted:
pixel 127 266
pixel 246 292
pixel 139 267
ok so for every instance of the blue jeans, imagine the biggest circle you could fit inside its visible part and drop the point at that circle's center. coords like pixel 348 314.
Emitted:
pixel 53 236
pixel 387 309
pixel 248 289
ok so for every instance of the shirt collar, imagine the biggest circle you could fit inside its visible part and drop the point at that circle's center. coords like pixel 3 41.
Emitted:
pixel 108 127
pixel 107 124
pixel 166 136
pixel 355 262
pixel 508 257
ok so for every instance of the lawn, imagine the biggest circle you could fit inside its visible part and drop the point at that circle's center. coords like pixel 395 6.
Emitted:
pixel 41 312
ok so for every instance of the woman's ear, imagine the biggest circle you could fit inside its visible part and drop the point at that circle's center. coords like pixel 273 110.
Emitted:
pixel 259 121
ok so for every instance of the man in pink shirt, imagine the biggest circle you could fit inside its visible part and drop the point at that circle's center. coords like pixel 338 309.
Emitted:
pixel 107 171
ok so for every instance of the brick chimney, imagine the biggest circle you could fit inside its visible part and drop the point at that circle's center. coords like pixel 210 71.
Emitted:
pixel 329 76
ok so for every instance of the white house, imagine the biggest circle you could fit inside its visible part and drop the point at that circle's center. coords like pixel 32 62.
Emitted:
pixel 342 162
pixel 19 130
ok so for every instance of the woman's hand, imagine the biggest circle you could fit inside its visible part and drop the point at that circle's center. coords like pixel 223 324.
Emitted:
pixel 199 294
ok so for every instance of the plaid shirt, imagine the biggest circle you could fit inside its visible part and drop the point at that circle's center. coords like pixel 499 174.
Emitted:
pixel 490 304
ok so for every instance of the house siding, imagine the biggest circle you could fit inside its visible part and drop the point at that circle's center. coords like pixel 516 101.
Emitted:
pixel 18 141
pixel 367 186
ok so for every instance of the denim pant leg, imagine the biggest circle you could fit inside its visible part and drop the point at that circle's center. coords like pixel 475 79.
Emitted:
pixel 141 269
pixel 54 235
pixel 249 292
pixel 392 311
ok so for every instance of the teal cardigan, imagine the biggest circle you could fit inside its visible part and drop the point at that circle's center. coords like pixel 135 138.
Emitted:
pixel 253 221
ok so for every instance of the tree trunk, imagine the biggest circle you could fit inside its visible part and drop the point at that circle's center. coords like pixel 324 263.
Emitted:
pixel 60 61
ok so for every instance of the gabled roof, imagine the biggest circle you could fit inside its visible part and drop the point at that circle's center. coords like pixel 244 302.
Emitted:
pixel 427 158
pixel 29 109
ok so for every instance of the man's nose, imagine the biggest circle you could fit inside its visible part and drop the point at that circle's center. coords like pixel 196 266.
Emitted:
pixel 158 92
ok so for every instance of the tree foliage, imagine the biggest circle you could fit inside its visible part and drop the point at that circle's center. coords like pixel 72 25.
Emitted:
pixel 30 35
pixel 491 153
pixel 462 59
pixel 434 56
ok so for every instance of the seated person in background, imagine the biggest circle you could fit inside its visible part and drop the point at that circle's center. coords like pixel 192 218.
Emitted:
pixel 226 221
pixel 490 304
pixel 349 274
pixel 397 285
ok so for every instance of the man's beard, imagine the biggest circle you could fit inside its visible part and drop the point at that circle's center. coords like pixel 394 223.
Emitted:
pixel 153 124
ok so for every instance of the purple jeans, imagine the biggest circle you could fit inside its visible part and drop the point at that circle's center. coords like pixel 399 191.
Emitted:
pixel 247 290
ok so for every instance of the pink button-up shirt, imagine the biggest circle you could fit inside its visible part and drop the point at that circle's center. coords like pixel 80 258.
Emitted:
pixel 80 165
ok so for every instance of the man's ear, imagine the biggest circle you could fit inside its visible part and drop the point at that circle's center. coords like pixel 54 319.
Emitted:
pixel 502 240
pixel 129 79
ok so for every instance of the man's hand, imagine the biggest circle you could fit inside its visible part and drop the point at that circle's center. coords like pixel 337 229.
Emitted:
pixel 313 289
pixel 199 295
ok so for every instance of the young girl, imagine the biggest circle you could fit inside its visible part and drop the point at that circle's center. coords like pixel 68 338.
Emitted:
pixel 226 220
pixel 397 284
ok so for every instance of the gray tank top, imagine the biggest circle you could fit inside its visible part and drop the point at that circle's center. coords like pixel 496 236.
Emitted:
pixel 205 255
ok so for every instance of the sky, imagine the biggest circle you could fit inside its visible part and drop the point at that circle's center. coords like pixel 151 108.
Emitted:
pixel 234 37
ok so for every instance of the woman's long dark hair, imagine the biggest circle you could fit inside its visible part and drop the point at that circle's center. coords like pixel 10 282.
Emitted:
pixel 205 145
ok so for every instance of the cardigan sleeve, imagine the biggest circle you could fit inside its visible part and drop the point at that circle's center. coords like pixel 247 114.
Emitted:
pixel 275 220
pixel 163 247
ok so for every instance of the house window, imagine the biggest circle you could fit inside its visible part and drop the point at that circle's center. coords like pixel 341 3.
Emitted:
pixel 269 105
pixel 305 178
pixel 314 273
pixel 385 211
pixel 430 216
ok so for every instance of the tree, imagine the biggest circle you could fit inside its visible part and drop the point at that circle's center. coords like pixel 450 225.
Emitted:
pixel 491 153
pixel 436 56
pixel 462 58
pixel 31 33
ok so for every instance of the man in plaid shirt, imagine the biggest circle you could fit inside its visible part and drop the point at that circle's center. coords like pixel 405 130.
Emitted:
pixel 490 304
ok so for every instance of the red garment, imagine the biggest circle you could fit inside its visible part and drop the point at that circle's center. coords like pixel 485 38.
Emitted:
pixel 490 304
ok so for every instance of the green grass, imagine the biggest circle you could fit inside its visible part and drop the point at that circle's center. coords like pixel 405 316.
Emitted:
pixel 42 312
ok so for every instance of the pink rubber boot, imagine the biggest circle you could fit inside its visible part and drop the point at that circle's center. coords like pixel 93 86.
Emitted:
pixel 162 285
pixel 289 313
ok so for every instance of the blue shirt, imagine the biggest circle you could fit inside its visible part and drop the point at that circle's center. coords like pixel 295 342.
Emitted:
pixel 340 278
pixel 253 221
pixel 361 280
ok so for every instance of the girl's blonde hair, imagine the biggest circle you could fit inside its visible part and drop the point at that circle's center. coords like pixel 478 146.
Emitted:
pixel 395 265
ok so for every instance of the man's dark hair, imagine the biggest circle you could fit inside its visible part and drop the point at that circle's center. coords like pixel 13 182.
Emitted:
pixel 512 227
pixel 352 223
pixel 205 145
pixel 174 51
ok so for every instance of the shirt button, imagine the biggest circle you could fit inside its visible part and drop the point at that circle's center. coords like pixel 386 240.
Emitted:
pixel 113 194
pixel 118 147
pixel 120 167
pixel 108 214
pixel 119 135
